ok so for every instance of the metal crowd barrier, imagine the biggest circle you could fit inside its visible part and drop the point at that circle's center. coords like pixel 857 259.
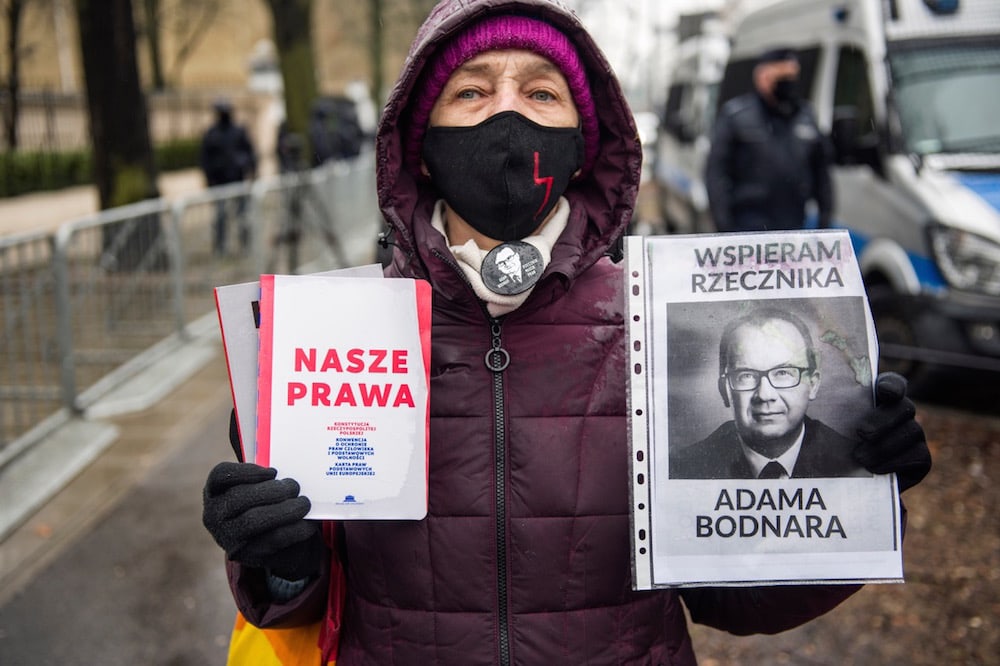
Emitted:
pixel 81 306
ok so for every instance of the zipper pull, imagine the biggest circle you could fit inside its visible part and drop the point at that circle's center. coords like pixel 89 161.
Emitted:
pixel 497 359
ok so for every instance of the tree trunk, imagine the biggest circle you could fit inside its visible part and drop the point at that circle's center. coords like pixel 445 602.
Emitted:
pixel 124 167
pixel 197 13
pixel 378 72
pixel 293 39
pixel 151 13
pixel 15 9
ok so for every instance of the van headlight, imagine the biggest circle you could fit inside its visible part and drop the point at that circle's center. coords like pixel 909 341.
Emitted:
pixel 967 261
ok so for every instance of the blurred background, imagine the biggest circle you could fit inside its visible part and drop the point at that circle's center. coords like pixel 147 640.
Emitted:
pixel 113 393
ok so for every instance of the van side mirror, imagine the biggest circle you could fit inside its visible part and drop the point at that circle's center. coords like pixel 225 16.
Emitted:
pixel 680 128
pixel 844 134
pixel 850 145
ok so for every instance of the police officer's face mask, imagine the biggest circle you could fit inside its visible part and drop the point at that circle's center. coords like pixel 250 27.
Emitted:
pixel 786 91
pixel 504 175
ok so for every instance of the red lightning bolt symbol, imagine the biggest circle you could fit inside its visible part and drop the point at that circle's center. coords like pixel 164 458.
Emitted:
pixel 547 180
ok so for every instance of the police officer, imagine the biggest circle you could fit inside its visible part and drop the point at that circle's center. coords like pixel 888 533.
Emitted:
pixel 227 156
pixel 768 158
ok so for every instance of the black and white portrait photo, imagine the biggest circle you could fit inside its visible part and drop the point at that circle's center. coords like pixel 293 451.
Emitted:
pixel 768 389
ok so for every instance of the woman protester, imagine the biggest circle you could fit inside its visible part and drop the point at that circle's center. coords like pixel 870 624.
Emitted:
pixel 507 145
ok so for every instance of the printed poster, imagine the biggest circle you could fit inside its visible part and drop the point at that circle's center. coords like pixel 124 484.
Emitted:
pixel 752 358
pixel 343 392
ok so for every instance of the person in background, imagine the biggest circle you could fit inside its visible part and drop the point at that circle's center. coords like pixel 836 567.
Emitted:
pixel 768 158
pixel 507 129
pixel 334 131
pixel 227 156
pixel 768 375
pixel 322 132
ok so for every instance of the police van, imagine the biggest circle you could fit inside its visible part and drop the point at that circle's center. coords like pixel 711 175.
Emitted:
pixel 910 93
pixel 682 146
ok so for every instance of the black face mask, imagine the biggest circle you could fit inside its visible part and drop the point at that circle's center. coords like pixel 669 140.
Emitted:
pixel 504 175
pixel 786 91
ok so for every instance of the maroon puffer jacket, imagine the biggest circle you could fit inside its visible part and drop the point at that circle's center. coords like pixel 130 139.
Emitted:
pixel 524 555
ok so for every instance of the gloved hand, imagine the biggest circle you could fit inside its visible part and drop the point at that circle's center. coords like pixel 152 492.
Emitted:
pixel 258 520
pixel 891 439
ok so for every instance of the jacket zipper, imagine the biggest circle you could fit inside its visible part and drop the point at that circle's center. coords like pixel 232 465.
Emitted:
pixel 497 359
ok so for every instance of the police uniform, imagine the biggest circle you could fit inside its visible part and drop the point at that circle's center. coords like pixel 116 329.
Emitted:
pixel 765 165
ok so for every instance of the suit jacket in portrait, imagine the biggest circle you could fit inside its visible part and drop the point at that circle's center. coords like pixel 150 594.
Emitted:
pixel 824 453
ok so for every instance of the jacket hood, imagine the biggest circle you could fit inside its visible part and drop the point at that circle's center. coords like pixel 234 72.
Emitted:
pixel 601 200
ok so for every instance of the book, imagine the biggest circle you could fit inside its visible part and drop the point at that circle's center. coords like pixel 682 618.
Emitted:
pixel 343 392
pixel 751 359
pixel 238 309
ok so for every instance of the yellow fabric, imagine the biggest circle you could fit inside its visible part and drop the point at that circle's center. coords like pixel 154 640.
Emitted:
pixel 251 646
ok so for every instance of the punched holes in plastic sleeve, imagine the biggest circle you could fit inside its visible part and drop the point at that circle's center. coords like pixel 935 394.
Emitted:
pixel 636 344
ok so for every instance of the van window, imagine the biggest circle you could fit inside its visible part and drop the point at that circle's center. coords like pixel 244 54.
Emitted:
pixel 948 95
pixel 711 98
pixel 671 114
pixel 674 97
pixel 808 59
pixel 737 80
pixel 852 88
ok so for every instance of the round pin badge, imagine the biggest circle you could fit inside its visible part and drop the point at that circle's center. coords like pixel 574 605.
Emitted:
pixel 511 268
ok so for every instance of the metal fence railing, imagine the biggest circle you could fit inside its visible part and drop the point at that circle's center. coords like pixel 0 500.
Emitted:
pixel 29 354
pixel 81 306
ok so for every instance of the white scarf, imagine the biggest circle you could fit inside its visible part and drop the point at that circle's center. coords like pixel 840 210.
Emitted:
pixel 470 257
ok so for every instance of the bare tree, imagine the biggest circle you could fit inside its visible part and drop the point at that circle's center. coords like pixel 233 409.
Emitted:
pixel 392 22
pixel 124 167
pixel 293 39
pixel 385 25
pixel 192 21
pixel 187 21
pixel 150 29
pixel 13 11
pixel 378 67
pixel 119 128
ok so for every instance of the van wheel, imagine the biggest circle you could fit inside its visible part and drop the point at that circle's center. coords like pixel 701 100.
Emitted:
pixel 893 328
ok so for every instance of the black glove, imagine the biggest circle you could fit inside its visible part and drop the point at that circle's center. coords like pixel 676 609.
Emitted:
pixel 891 439
pixel 258 520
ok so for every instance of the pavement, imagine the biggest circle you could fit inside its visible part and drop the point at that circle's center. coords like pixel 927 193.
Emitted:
pixel 117 569
pixel 60 487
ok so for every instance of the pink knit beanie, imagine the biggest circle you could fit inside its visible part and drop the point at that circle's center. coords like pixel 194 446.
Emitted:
pixel 504 32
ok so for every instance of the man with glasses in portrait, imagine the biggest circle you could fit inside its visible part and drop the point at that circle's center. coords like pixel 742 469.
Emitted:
pixel 768 375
